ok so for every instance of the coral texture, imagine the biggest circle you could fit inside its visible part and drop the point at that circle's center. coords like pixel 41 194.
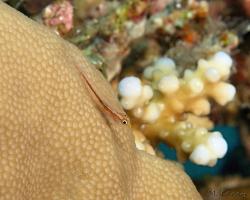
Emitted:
pixel 57 140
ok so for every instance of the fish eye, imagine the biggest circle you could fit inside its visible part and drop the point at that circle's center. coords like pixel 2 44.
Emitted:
pixel 125 122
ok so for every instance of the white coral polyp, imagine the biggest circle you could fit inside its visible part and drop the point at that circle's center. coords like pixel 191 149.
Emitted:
pixel 222 62
pixel 152 112
pixel 222 59
pixel 196 85
pixel 200 155
pixel 165 64
pixel 223 93
pixel 207 153
pixel 217 144
pixel 168 84
pixel 133 93
pixel 148 72
pixel 147 93
pixel 130 87
pixel 212 75
pixel 128 103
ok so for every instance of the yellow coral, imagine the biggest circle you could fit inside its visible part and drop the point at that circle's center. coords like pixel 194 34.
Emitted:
pixel 176 100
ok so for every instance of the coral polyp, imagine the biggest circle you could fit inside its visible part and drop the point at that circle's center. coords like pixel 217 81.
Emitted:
pixel 168 106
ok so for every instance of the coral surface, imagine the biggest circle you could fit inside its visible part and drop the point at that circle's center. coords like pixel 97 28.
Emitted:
pixel 61 136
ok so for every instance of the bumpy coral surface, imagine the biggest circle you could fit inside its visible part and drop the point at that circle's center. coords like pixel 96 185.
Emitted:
pixel 60 132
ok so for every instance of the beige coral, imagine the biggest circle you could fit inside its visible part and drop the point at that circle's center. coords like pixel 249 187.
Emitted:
pixel 57 139
pixel 175 107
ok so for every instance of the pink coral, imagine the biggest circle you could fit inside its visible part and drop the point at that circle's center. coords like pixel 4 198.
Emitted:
pixel 59 15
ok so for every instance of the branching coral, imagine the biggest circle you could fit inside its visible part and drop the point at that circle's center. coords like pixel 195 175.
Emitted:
pixel 172 107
